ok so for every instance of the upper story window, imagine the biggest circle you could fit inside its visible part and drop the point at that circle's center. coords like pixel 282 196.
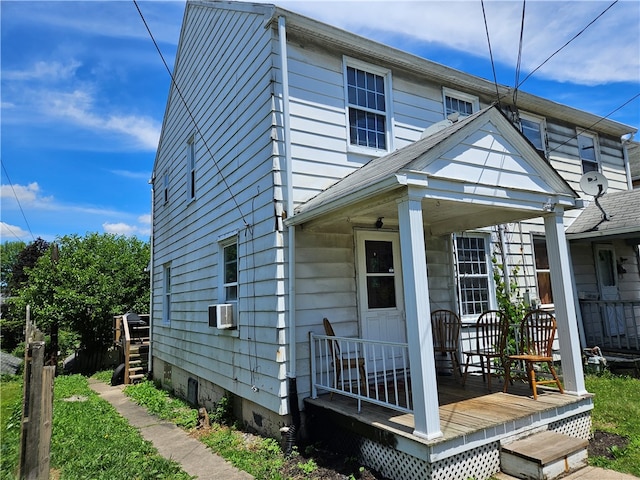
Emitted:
pixel 191 168
pixel 533 129
pixel 474 274
pixel 459 102
pixel 588 151
pixel 166 187
pixel 229 272
pixel 368 100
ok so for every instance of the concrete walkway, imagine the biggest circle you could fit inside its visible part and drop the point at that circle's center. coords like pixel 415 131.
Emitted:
pixel 586 473
pixel 170 440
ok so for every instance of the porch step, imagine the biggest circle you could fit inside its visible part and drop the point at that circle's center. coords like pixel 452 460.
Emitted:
pixel 543 456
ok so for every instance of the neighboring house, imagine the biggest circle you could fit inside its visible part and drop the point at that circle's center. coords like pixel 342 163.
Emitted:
pixel 306 172
pixel 633 150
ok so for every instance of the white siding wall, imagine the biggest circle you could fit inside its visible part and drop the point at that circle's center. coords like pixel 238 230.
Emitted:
pixel 224 70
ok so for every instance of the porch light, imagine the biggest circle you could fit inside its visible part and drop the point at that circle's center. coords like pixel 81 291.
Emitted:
pixel 379 222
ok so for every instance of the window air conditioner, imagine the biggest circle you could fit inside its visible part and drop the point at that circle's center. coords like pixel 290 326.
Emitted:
pixel 221 316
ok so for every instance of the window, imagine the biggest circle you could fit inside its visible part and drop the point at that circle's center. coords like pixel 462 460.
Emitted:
pixel 474 274
pixel 533 129
pixel 367 100
pixel 230 271
pixel 543 274
pixel 166 300
pixel 191 168
pixel 458 102
pixel 587 148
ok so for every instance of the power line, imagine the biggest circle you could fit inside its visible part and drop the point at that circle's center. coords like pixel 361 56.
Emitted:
pixel 567 43
pixel 518 64
pixel 186 106
pixel 17 200
pixel 493 66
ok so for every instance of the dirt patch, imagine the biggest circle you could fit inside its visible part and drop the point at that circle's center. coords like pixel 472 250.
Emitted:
pixel 602 443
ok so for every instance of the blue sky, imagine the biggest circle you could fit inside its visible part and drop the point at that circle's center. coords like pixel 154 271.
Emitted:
pixel 84 90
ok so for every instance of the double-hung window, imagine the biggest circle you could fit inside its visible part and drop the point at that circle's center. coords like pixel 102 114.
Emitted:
pixel 459 102
pixel 191 168
pixel 229 250
pixel 367 92
pixel 474 274
pixel 543 274
pixel 166 297
pixel 533 129
pixel 588 151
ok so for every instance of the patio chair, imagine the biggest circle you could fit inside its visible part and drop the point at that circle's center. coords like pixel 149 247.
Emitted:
pixel 344 361
pixel 536 342
pixel 491 332
pixel 445 326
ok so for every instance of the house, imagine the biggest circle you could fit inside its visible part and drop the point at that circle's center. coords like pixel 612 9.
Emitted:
pixel 304 172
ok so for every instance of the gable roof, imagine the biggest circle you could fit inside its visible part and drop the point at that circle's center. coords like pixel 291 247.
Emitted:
pixel 623 213
pixel 482 158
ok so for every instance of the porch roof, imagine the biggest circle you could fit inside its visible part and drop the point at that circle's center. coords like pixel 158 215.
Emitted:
pixel 482 161
pixel 623 218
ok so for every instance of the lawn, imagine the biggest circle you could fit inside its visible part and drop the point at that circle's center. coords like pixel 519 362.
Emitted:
pixel 617 411
pixel 89 440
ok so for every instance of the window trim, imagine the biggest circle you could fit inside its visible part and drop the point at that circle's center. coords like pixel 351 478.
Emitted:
pixel 596 151
pixel 191 168
pixel 465 97
pixel 166 294
pixel 541 121
pixel 491 295
pixel 388 89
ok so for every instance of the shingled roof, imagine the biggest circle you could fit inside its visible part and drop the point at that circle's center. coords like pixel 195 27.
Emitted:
pixel 623 217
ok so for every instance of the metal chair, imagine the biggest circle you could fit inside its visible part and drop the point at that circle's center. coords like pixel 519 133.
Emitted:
pixel 344 361
pixel 536 342
pixel 491 330
pixel 445 326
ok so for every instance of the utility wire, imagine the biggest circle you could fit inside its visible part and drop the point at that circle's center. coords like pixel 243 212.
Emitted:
pixel 186 106
pixel 567 43
pixel 493 66
pixel 595 123
pixel 17 200
pixel 518 64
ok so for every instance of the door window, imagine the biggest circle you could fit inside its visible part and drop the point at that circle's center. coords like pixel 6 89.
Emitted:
pixel 381 290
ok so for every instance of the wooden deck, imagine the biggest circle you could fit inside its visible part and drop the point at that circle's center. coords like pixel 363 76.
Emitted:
pixel 469 415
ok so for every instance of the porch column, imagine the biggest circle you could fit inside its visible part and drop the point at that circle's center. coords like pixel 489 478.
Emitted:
pixel 418 318
pixel 563 299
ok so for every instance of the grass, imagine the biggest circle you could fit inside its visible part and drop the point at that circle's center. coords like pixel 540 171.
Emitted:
pixel 89 439
pixel 617 410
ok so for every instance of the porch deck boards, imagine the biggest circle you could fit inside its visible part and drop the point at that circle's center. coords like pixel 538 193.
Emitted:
pixel 463 410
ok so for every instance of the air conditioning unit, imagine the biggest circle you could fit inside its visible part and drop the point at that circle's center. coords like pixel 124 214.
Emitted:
pixel 221 316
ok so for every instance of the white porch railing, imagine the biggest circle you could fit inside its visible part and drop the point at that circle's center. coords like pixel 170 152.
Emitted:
pixel 612 324
pixel 386 366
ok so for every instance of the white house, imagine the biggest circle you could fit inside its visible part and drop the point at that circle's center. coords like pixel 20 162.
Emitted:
pixel 291 153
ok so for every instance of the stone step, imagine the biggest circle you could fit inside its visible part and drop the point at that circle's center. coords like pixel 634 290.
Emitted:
pixel 543 456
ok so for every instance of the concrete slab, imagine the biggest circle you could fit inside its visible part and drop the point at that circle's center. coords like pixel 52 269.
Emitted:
pixel 171 441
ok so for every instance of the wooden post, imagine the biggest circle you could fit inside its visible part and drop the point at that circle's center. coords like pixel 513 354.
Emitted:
pixel 37 409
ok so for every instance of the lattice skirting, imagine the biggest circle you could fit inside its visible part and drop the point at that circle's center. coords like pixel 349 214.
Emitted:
pixel 479 463
pixel 577 426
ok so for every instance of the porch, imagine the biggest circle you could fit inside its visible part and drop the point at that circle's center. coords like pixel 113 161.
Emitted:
pixel 612 325
pixel 473 421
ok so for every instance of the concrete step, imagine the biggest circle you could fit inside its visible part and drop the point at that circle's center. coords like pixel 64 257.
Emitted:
pixel 543 456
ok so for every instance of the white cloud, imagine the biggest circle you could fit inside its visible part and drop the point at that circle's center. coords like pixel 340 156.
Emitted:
pixel 8 232
pixel 132 175
pixel 593 58
pixel 49 71
pixel 122 228
pixel 28 195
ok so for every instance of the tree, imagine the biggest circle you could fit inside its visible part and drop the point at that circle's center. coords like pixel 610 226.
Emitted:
pixel 9 252
pixel 93 278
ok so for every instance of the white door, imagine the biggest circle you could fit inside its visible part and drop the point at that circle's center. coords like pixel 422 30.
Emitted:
pixel 380 296
pixel 607 272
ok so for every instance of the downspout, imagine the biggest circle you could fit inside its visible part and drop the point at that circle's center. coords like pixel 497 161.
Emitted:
pixel 627 166
pixel 505 263
pixel 294 408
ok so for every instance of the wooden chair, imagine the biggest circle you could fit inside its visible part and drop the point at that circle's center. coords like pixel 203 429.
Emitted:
pixel 492 329
pixel 445 326
pixel 345 361
pixel 537 332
